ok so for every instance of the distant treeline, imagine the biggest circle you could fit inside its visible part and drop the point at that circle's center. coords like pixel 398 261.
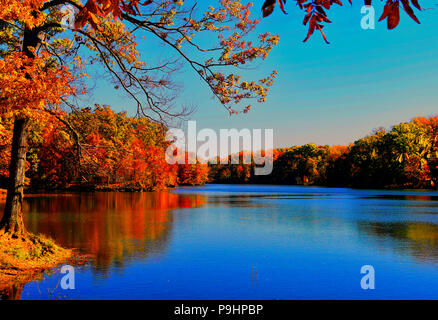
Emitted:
pixel 404 157
pixel 101 149
pixel 97 149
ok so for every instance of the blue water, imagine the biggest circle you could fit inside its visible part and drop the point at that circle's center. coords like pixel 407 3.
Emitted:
pixel 242 242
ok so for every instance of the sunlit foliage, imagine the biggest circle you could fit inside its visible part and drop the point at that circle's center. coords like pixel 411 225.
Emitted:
pixel 404 157
pixel 114 152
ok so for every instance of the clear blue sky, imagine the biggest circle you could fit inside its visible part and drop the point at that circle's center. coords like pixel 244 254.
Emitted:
pixel 327 94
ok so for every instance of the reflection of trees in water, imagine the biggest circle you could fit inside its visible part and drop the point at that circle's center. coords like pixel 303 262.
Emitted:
pixel 419 240
pixel 113 227
pixel 241 201
pixel 412 197
pixel 11 291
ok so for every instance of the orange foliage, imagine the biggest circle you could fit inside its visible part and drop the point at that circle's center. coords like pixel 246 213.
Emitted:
pixel 25 10
pixel 192 174
pixel 44 88
pixel 117 151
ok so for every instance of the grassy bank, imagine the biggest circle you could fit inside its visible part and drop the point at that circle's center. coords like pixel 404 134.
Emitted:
pixel 21 259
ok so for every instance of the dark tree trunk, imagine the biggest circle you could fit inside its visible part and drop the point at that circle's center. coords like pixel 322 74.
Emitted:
pixel 12 221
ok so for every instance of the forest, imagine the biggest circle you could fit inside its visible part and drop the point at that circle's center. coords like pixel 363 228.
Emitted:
pixel 118 152
pixel 404 157
pixel 114 151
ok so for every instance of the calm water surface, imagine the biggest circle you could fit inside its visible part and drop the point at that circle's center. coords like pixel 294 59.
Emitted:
pixel 242 242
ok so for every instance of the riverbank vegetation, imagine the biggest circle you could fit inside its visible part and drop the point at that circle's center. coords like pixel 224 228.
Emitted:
pixel 25 257
pixel 114 152
pixel 119 152
pixel 406 156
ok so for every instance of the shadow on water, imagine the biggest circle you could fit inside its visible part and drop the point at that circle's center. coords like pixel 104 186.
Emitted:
pixel 112 227
pixel 417 240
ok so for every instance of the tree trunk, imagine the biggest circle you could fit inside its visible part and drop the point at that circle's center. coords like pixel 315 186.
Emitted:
pixel 12 221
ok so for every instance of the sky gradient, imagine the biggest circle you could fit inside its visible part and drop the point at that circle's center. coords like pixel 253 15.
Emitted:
pixel 326 94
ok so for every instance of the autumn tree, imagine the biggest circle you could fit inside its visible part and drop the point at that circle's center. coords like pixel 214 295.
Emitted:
pixel 415 145
pixel 43 63
pixel 301 165
pixel 406 156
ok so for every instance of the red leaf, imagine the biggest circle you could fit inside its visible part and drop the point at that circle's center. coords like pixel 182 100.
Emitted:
pixel 409 10
pixel 92 7
pixel 320 10
pixel 393 16
pixel 326 4
pixel 312 26
pixel 268 7
pixel 307 17
pixel 416 4
pixel 280 3
pixel 323 35
pixel 386 10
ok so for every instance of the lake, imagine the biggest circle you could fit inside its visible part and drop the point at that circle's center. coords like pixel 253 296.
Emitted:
pixel 241 242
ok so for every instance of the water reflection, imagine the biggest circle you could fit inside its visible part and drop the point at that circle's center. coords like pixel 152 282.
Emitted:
pixel 418 240
pixel 321 236
pixel 411 197
pixel 112 227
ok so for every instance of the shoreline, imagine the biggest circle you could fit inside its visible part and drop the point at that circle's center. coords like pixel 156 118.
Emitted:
pixel 60 191
pixel 29 259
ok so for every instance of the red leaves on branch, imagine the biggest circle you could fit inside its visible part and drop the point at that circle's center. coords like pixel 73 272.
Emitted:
pixel 103 8
pixel 316 15
pixel 409 10
pixel 391 12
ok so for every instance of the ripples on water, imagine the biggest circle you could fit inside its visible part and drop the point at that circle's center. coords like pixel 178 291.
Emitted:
pixel 241 242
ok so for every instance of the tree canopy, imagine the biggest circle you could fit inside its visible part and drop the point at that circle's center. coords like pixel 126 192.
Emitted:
pixel 45 58
pixel 406 156
pixel 53 58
